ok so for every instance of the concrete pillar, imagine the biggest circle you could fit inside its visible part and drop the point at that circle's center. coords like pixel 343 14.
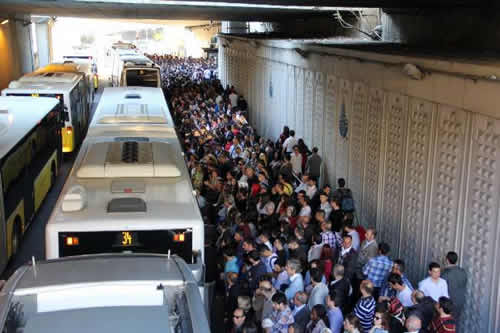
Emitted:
pixel 10 65
pixel 23 49
pixel 43 41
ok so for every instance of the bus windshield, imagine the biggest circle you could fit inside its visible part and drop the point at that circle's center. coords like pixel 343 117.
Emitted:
pixel 142 77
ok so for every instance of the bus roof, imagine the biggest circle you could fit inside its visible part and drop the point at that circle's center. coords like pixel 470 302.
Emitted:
pixel 44 82
pixel 132 106
pixel 103 293
pixel 18 115
pixel 151 172
pixel 59 68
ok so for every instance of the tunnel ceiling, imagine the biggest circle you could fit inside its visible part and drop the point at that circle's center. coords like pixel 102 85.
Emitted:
pixel 204 10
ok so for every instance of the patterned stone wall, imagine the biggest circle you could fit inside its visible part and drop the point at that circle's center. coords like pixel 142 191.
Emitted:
pixel 422 161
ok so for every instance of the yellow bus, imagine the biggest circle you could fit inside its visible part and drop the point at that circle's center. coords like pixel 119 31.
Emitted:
pixel 71 90
pixel 30 156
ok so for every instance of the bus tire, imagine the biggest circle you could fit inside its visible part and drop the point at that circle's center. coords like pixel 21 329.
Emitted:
pixel 16 235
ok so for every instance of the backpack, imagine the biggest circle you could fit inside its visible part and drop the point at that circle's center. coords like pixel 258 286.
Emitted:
pixel 347 201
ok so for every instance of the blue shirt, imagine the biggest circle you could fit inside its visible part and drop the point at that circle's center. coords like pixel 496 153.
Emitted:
pixel 365 311
pixel 376 269
pixel 231 266
pixel 296 284
pixel 336 320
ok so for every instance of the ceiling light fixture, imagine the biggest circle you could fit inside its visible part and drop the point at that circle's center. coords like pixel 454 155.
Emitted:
pixel 4 22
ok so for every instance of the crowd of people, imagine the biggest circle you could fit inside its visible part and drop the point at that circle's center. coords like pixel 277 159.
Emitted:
pixel 290 254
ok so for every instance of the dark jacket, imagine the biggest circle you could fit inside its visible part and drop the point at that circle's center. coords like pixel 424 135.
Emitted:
pixel 423 310
pixel 341 288
pixel 301 319
pixel 349 261
pixel 456 278
pixel 254 274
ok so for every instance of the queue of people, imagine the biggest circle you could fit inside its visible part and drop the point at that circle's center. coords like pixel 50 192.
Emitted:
pixel 290 255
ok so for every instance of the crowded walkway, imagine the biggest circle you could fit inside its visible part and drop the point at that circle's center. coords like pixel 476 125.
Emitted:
pixel 291 254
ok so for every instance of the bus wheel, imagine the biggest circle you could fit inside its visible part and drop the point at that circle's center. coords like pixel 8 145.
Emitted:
pixel 16 236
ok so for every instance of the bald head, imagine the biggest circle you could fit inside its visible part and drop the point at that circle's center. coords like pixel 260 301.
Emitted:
pixel 413 324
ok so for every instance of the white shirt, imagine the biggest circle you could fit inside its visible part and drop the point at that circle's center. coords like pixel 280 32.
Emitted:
pixel 404 296
pixel 434 289
pixel 355 239
pixel 305 211
pixel 289 143
pixel 233 98
pixel 311 191
pixel 296 161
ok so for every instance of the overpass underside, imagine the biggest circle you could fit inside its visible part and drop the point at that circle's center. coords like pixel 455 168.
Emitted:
pixel 421 156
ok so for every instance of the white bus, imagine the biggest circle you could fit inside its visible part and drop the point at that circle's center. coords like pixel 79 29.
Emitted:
pixel 134 70
pixel 129 189
pixel 72 67
pixel 88 65
pixel 70 89
pixel 30 156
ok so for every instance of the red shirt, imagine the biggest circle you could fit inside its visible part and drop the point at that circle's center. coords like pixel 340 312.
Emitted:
pixel 442 325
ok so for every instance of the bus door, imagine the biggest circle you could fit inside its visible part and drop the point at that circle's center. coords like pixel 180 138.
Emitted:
pixel 3 231
pixel 76 115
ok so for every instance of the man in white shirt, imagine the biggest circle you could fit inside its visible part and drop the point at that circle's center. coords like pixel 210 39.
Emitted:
pixel 296 160
pixel 311 188
pixel 289 143
pixel 433 285
pixel 403 292
pixel 233 97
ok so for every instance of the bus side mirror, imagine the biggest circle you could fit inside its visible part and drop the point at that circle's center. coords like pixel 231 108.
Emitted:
pixel 66 114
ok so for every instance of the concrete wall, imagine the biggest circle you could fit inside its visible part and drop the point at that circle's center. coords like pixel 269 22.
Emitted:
pixel 10 66
pixel 422 157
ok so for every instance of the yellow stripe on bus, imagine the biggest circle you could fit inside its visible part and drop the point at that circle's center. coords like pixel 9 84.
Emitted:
pixel 43 181
pixel 19 211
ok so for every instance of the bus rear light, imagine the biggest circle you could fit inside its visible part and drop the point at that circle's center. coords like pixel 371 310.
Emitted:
pixel 69 130
pixel 72 241
pixel 179 237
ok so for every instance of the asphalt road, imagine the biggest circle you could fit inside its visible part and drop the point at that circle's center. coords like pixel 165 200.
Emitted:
pixel 33 242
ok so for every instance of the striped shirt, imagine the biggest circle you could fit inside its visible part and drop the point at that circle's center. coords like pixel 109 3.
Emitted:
pixel 365 311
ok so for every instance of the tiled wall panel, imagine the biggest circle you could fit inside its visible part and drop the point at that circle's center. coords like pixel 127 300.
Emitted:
pixel 395 121
pixel 481 234
pixel 330 127
pixel 373 137
pixel 357 142
pixel 447 188
pixel 299 103
pixel 308 107
pixel 417 181
pixel 344 103
pixel 292 97
pixel 318 114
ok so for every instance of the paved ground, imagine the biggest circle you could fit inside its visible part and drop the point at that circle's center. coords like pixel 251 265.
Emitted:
pixel 33 243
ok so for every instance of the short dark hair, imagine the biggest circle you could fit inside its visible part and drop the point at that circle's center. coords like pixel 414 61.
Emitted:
pixel 341 182
pixel 229 251
pixel 452 257
pixel 446 304
pixel 316 275
pixel 347 236
pixel 279 298
pixel 401 264
pixel 384 248
pixel 292 133
pixel 254 255
pixel 395 279
pixel 318 239
pixel 433 265
pixel 315 149
pixel 262 248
